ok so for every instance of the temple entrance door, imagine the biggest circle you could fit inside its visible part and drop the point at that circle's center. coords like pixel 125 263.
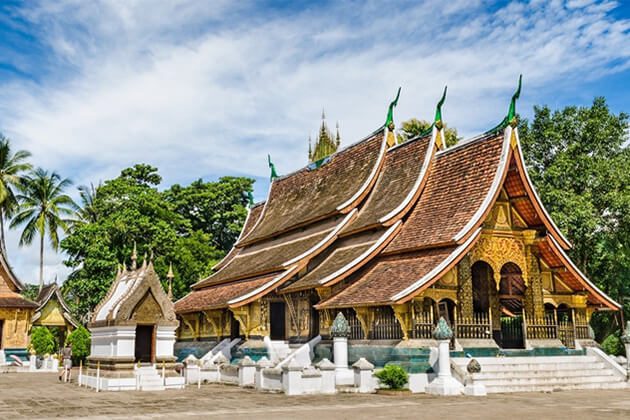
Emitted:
pixel 484 294
pixel 511 295
pixel 277 317
pixel 144 343
pixel 235 327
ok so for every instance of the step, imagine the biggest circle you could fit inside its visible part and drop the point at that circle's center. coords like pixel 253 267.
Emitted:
pixel 554 387
pixel 529 359
pixel 551 380
pixel 541 374
pixel 153 388
pixel 533 367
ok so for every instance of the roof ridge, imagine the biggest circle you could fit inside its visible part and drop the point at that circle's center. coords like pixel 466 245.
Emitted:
pixel 338 152
pixel 468 142
pixel 410 141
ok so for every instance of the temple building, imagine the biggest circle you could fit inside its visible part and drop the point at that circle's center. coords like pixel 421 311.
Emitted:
pixel 396 236
pixel 53 312
pixel 15 313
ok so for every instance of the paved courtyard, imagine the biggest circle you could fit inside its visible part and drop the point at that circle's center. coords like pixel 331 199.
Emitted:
pixel 42 396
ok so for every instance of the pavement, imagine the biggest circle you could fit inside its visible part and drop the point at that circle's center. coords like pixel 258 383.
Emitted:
pixel 41 395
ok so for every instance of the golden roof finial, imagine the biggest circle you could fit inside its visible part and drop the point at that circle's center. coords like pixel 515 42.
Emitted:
pixel 170 276
pixel 134 257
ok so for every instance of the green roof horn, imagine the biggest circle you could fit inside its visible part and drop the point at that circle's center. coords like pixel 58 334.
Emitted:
pixel 511 116
pixel 438 110
pixel 389 122
pixel 274 174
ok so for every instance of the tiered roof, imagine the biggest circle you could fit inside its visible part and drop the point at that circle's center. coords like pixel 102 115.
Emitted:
pixel 131 290
pixel 382 225
pixel 10 288
pixel 48 292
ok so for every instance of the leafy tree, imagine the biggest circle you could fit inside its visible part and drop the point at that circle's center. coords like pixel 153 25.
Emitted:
pixel 30 291
pixel 44 207
pixel 414 127
pixel 42 341
pixel 12 168
pixel 130 209
pixel 80 340
pixel 217 208
pixel 579 160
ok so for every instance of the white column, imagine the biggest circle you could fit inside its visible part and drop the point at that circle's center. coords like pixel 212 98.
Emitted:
pixel 340 353
pixel 444 384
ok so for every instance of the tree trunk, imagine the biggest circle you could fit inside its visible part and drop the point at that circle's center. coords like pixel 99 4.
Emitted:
pixel 2 240
pixel 41 262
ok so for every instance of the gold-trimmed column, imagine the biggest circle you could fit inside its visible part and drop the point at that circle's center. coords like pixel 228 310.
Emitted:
pixel 403 316
pixel 366 318
pixel 534 300
pixel 465 288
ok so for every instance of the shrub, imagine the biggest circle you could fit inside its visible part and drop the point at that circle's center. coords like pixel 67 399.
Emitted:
pixel 42 341
pixel 612 345
pixel 80 340
pixel 393 376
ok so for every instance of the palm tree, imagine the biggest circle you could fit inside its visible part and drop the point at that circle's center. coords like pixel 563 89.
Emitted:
pixel 86 212
pixel 12 168
pixel 44 207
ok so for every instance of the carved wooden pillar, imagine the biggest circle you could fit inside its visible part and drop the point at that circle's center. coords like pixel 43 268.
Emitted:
pixel 494 283
pixel 403 316
pixel 366 317
pixel 464 288
pixel 534 301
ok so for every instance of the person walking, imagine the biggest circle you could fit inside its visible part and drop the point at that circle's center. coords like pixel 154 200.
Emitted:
pixel 66 356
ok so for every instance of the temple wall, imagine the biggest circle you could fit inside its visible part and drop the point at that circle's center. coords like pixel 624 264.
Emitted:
pixel 16 325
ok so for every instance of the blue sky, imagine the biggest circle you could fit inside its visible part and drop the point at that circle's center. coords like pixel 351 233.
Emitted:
pixel 204 89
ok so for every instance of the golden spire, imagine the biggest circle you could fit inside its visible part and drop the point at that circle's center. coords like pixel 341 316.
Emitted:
pixel 134 257
pixel 170 276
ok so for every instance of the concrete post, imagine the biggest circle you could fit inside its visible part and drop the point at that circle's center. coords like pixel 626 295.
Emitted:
pixel 263 363
pixel 246 372
pixel 292 378
pixel 32 363
pixel 363 372
pixel 444 384
pixel 625 338
pixel 327 368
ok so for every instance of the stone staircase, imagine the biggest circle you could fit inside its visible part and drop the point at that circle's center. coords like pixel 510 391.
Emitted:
pixel 149 379
pixel 549 373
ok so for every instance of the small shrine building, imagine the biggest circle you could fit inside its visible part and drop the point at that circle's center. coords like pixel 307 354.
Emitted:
pixel 134 323
pixel 396 236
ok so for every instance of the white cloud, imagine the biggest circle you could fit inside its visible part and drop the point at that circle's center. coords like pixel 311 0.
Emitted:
pixel 201 90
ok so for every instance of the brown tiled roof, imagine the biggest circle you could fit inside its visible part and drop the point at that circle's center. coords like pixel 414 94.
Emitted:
pixel 456 188
pixel 13 300
pixel 401 169
pixel 252 219
pixel 387 276
pixel 309 195
pixel 553 256
pixel 520 200
pixel 268 256
pixel 218 296
pixel 336 260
